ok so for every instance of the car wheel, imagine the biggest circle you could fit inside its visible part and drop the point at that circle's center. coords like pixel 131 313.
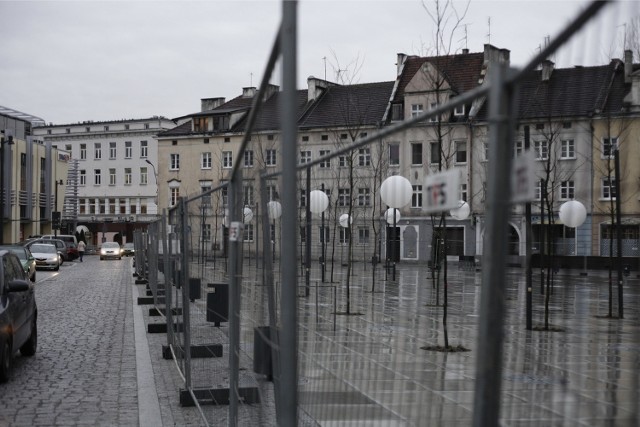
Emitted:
pixel 5 360
pixel 57 267
pixel 29 347
pixel 33 277
pixel 101 259
pixel 119 258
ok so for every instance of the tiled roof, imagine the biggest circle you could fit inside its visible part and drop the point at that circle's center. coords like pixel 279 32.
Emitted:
pixel 269 115
pixel 461 71
pixel 353 105
pixel 183 129
pixel 571 92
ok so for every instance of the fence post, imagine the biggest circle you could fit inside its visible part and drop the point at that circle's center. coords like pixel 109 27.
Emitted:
pixel 184 288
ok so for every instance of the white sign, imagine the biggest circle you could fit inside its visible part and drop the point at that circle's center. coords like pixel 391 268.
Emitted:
pixel 442 191
pixel 235 231
pixel 523 178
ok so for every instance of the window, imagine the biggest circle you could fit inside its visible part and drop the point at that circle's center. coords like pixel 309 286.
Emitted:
pixel 106 128
pixel 608 147
pixel 68 147
pixel 344 197
pixel 434 105
pixel 247 233
pixel 174 162
pixel 206 232
pixel 144 176
pixel 324 234
pixel 608 188
pixel 305 156
pixel 567 190
pixel 416 153
pixel 541 149
pixel 205 160
pixel 463 192
pixel 344 235
pixel 518 148
pixel 97 151
pixel 344 136
pixel 325 163
pixel 303 198
pixel 127 149
pixel 83 151
pixel 538 190
pixel 97 178
pixel 67 130
pixel 270 157
pixel 416 197
pixel 227 159
pixel 112 150
pixel 247 191
pixel 272 193
pixel 127 176
pixel 364 157
pixel 567 149
pixel 485 151
pixel 416 110
pixel 225 196
pixel 459 110
pixel 364 197
pixel 200 124
pixel 342 161
pixel 394 154
pixel 83 177
pixel 146 125
pixel 174 194
pixel 248 159
pixel 324 137
pixel 435 152
pixel 363 235
pixel 112 176
pixel 461 151
pixel 143 149
pixel 126 127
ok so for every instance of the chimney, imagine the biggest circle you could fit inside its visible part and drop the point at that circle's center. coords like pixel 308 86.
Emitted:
pixel 207 104
pixel 547 69
pixel 628 65
pixel 248 92
pixel 493 54
pixel 400 62
pixel 270 90
pixel 465 51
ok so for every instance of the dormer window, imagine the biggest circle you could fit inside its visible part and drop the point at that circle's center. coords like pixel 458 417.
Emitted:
pixel 459 110
pixel 200 124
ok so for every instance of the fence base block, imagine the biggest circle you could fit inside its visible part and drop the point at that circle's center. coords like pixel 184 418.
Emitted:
pixel 141 281
pixel 218 396
pixel 154 311
pixel 149 300
pixel 161 328
pixel 202 351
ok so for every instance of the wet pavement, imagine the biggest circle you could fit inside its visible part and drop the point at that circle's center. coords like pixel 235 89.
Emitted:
pixel 96 365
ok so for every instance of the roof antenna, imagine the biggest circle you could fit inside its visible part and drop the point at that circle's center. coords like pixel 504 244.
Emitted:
pixel 489 33
pixel 250 79
pixel 324 58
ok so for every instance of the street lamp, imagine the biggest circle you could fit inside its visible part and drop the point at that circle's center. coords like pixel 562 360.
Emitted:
pixel 318 203
pixel 345 221
pixel 155 176
pixel 55 215
pixel 274 211
pixel 461 212
pixel 395 192
pixel 573 214
pixel 8 141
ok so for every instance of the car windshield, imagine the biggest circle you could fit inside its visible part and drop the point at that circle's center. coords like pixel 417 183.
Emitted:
pixel 128 245
pixel 110 245
pixel 19 252
pixel 41 248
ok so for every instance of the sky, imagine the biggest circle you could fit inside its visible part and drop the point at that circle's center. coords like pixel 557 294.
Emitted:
pixel 71 61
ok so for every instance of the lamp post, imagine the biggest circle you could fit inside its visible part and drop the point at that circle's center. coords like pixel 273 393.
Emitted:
pixel 395 192
pixel 345 221
pixel 274 211
pixel 8 140
pixel 318 203
pixel 247 216
pixel 573 214
pixel 55 215
pixel 155 176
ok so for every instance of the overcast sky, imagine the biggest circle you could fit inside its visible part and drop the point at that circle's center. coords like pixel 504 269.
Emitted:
pixel 68 62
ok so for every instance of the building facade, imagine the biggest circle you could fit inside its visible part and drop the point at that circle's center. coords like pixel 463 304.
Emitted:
pixel 112 187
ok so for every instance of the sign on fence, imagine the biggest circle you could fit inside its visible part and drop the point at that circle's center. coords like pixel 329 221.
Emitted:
pixel 442 191
pixel 523 178
pixel 235 231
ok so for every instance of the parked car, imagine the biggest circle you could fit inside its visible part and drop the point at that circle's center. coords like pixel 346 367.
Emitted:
pixel 18 312
pixel 110 250
pixel 71 251
pixel 46 255
pixel 26 259
pixel 61 247
pixel 128 249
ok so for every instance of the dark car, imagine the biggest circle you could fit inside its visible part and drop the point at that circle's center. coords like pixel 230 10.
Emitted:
pixel 128 249
pixel 18 312
pixel 26 259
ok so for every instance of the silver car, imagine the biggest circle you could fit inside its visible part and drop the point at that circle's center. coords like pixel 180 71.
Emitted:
pixel 110 250
pixel 46 256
